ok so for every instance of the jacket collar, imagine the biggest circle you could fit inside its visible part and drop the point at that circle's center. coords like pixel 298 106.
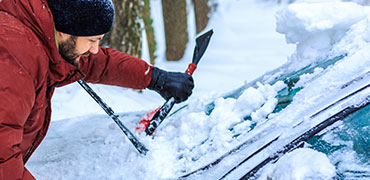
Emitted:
pixel 36 15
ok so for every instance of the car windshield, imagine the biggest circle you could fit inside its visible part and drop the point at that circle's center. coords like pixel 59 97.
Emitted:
pixel 347 145
pixel 284 96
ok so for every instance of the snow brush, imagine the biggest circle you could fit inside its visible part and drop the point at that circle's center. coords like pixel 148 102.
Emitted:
pixel 138 145
pixel 155 118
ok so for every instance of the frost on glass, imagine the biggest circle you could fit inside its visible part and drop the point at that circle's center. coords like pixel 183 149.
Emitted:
pixel 352 138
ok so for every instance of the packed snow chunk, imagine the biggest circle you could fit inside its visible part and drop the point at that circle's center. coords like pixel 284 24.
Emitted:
pixel 223 115
pixel 357 37
pixel 316 28
pixel 301 21
pixel 249 101
pixel 261 99
pixel 194 130
pixel 303 164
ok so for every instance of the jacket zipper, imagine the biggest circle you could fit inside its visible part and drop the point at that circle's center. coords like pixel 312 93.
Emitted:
pixel 28 152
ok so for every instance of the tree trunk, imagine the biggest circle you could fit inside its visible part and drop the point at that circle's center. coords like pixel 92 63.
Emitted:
pixel 202 11
pixel 152 45
pixel 126 34
pixel 175 25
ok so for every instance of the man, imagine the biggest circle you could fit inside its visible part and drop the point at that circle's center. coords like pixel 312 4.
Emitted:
pixel 49 43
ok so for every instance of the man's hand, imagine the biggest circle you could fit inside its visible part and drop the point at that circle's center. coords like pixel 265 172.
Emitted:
pixel 171 84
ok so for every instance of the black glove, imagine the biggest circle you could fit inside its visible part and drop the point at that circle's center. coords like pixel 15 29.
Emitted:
pixel 171 84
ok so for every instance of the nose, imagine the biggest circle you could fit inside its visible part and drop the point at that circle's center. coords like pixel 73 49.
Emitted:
pixel 94 48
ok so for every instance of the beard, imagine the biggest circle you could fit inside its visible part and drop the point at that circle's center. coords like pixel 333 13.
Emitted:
pixel 67 50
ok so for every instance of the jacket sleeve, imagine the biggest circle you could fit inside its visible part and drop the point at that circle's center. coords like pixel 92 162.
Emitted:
pixel 112 67
pixel 16 100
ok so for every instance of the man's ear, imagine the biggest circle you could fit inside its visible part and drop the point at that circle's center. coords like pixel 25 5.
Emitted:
pixel 62 36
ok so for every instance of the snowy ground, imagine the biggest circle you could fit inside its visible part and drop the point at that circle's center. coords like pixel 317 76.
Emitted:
pixel 83 143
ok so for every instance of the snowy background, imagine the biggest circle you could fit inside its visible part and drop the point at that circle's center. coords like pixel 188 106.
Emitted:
pixel 250 38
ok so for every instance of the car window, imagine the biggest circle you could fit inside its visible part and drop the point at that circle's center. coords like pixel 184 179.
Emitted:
pixel 348 145
pixel 284 96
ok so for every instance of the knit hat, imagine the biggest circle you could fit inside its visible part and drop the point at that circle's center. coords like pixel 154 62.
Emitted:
pixel 82 17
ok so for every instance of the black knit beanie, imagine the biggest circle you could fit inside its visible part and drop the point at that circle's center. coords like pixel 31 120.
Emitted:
pixel 82 17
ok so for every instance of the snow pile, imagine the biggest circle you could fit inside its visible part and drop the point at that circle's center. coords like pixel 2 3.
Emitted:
pixel 316 27
pixel 303 21
pixel 336 29
pixel 258 102
pixel 193 138
pixel 303 164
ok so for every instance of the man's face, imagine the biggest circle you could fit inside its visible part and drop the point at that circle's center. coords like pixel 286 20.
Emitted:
pixel 71 48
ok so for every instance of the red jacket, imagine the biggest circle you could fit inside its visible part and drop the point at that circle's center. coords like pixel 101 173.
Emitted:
pixel 30 69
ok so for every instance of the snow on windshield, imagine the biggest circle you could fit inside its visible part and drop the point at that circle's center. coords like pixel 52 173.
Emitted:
pixel 195 136
pixel 303 163
pixel 316 27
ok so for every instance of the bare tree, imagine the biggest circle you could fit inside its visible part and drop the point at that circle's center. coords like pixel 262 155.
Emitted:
pixel 202 11
pixel 148 21
pixel 175 25
pixel 126 34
